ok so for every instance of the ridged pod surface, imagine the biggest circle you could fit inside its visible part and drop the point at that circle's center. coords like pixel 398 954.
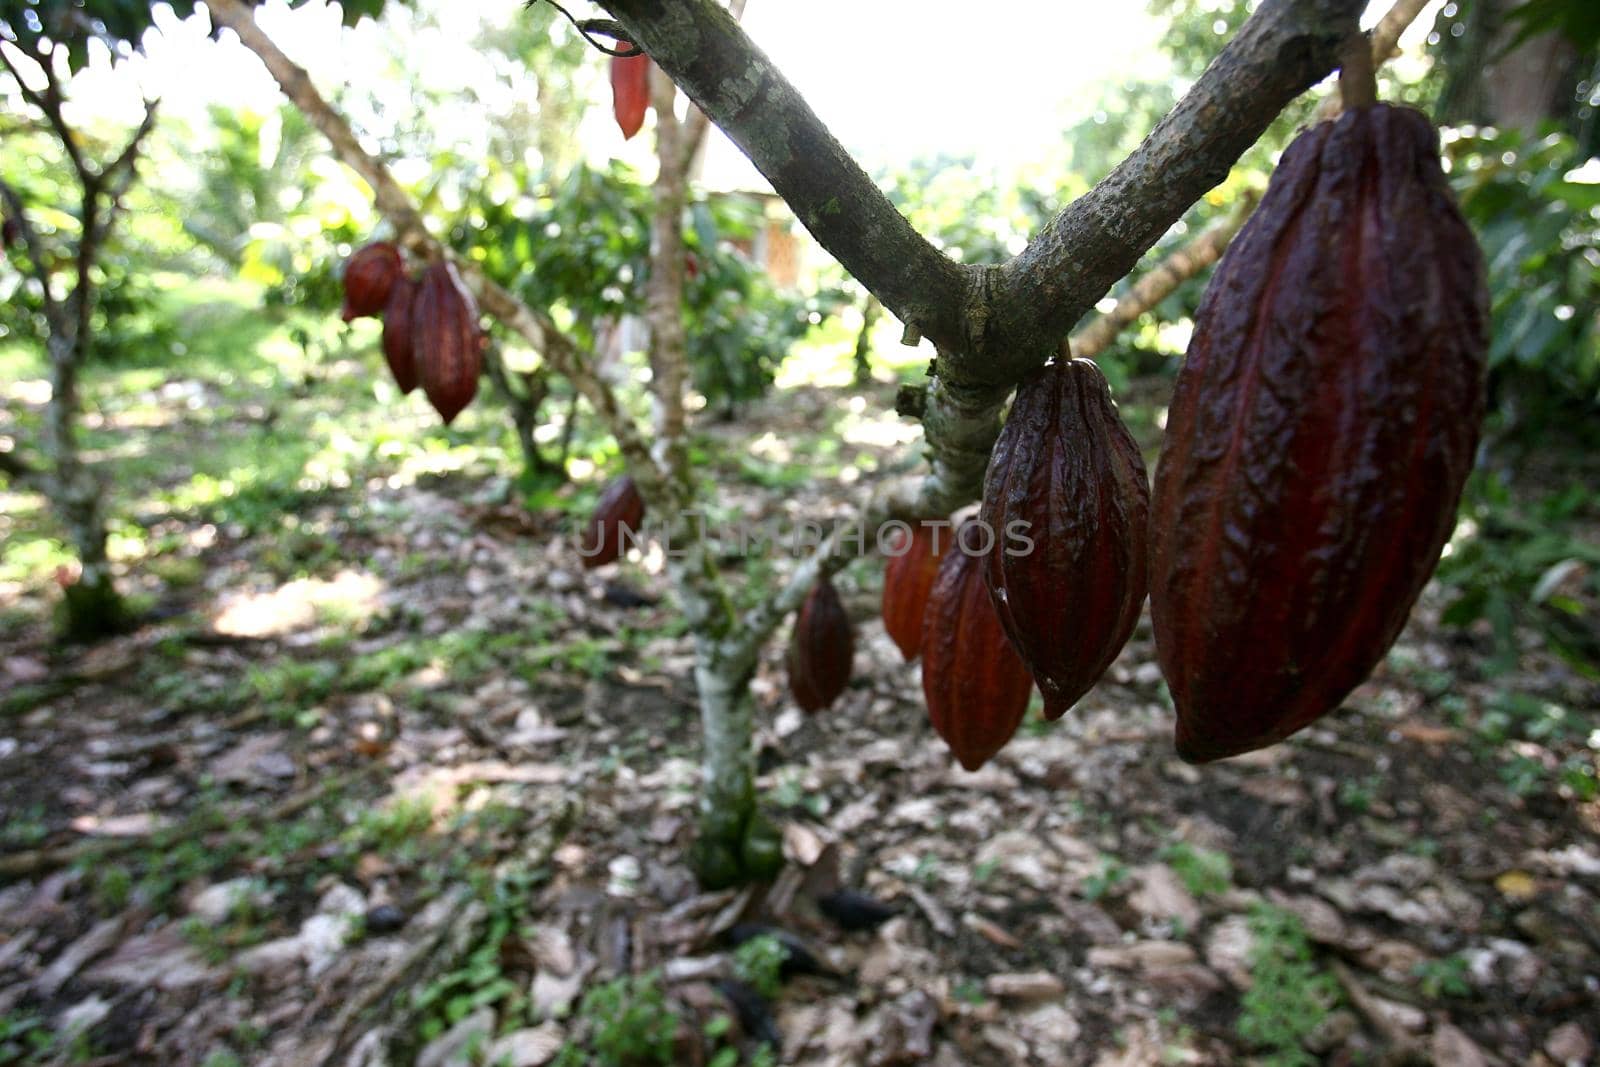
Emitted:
pixel 630 92
pixel 975 684
pixel 446 342
pixel 821 649
pixel 1067 476
pixel 619 509
pixel 1319 436
pixel 369 274
pixel 397 334
pixel 907 578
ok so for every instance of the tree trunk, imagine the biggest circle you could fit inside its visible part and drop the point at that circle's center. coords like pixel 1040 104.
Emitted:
pixel 736 843
pixel 91 608
pixel 870 313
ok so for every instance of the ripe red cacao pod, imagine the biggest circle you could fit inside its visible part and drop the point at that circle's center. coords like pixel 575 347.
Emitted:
pixel 617 517
pixel 446 343
pixel 821 649
pixel 1319 436
pixel 1068 501
pixel 398 336
pixel 907 578
pixel 369 275
pixel 975 684
pixel 630 92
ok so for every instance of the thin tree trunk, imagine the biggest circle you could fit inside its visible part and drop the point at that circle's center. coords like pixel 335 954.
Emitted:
pixel 871 311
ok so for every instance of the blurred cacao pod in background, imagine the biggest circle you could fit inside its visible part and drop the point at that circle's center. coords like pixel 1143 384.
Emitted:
pixel 369 274
pixel 1067 477
pixel 398 336
pixel 975 683
pixel 446 343
pixel 821 649
pixel 620 508
pixel 907 577
pixel 630 92
pixel 1320 433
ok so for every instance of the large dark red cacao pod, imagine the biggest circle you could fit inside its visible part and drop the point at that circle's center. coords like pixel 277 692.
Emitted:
pixel 1320 433
pixel 975 684
pixel 369 274
pixel 398 337
pixel 445 341
pixel 821 649
pixel 630 92
pixel 616 519
pixel 908 575
pixel 1068 500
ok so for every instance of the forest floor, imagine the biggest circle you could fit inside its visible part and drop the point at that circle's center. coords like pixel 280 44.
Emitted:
pixel 388 778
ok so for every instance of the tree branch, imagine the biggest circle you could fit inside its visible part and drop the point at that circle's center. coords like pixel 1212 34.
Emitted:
pixel 49 102
pixel 21 472
pixel 1158 283
pixel 1284 48
pixel 698 122
pixel 55 315
pixel 395 204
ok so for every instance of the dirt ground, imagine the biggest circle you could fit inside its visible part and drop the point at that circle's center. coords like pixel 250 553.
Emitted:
pixel 401 783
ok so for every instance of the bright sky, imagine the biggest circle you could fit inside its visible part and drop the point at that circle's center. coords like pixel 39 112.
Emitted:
pixel 893 79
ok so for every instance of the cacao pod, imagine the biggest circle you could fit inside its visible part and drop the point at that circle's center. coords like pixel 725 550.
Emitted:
pixel 1319 436
pixel 398 335
pixel 1066 476
pixel 369 275
pixel 975 684
pixel 821 649
pixel 630 92
pixel 445 341
pixel 617 515
pixel 907 577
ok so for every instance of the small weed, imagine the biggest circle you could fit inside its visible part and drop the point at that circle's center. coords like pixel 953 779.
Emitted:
pixel 757 963
pixel 969 991
pixel 390 828
pixel 1445 977
pixel 1113 872
pixel 1203 871
pixel 1357 794
pixel 629 1025
pixel 25 829
pixel 1289 997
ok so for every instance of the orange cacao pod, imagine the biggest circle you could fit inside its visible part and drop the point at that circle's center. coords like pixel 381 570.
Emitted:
pixel 1068 502
pixel 369 274
pixel 821 649
pixel 398 335
pixel 907 577
pixel 617 515
pixel 630 92
pixel 1319 436
pixel 975 684
pixel 445 341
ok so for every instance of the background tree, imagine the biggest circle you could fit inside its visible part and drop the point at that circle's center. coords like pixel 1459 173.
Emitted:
pixel 60 247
